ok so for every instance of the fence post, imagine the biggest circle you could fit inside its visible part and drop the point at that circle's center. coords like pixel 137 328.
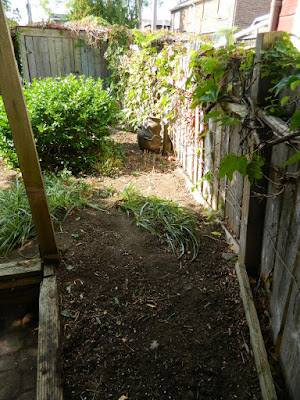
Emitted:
pixel 15 106
pixel 253 207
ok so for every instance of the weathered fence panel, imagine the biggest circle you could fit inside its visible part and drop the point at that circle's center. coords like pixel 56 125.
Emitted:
pixel 53 52
pixel 268 227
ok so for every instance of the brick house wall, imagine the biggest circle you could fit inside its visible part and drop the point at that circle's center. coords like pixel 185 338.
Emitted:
pixel 207 16
pixel 287 16
pixel 246 11
pixel 203 16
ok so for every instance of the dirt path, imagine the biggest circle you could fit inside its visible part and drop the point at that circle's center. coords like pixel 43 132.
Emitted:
pixel 136 322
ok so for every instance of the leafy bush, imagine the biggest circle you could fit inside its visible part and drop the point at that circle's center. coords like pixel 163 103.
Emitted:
pixel 69 117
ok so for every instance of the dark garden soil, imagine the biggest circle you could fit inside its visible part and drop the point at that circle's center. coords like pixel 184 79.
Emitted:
pixel 136 322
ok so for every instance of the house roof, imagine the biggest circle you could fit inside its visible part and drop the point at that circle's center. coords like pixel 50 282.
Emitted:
pixel 185 4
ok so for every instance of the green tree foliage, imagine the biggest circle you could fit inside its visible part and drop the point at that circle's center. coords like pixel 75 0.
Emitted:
pixel 120 12
pixel 13 14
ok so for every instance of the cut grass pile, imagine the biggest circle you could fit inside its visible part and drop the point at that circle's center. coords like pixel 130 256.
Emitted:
pixel 171 223
pixel 16 224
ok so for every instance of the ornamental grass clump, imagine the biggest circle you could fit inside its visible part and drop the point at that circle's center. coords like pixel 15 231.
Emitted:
pixel 16 224
pixel 171 223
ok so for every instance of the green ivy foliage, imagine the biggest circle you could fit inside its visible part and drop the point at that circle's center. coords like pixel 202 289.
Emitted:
pixel 145 77
pixel 69 117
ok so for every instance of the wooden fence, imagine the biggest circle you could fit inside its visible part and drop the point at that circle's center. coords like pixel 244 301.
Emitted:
pixel 267 228
pixel 53 52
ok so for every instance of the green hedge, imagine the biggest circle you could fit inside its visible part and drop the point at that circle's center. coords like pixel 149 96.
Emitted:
pixel 69 116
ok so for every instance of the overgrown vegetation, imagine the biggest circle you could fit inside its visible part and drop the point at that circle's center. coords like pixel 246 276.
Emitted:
pixel 154 81
pixel 173 224
pixel 64 194
pixel 70 118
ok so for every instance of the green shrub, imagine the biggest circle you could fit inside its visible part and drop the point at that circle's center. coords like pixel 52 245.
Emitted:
pixel 69 117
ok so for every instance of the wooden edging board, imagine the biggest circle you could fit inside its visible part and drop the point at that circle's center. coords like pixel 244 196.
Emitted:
pixel 48 380
pixel 257 342
pixel 20 273
pixel 258 346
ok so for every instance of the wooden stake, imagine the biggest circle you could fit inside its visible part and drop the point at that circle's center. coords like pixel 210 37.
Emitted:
pixel 15 106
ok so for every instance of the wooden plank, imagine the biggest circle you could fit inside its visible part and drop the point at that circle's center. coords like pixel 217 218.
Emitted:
pixel 32 68
pixel 84 60
pixel 17 115
pixel 48 382
pixel 46 32
pixel 257 342
pixel 37 46
pixel 60 56
pixel 208 165
pixel 77 57
pixel 91 61
pixel 66 56
pixel 236 186
pixel 45 57
pixel 24 59
pixel 26 281
pixel 273 209
pixel 196 162
pixel 98 63
pixel 52 57
pixel 19 269
pixel 72 58
pixel 284 262
pixel 223 181
pixel 289 350
pixel 216 170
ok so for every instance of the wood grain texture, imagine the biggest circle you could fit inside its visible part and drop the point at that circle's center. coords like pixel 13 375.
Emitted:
pixel 257 342
pixel 48 382
pixel 14 102
pixel 20 269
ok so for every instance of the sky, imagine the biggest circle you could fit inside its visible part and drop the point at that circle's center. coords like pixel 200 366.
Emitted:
pixel 38 13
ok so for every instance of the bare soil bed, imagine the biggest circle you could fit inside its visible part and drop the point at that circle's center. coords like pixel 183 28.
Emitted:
pixel 136 322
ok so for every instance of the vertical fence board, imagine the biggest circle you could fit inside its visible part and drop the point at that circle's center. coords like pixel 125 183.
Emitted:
pixel 290 346
pixel 45 57
pixel 67 56
pixel 77 57
pixel 216 169
pixel 273 209
pixel 38 57
pixel 208 165
pixel 24 54
pixel 72 56
pixel 52 56
pixel 224 181
pixel 84 61
pixel 97 64
pixel 91 61
pixel 60 56
pixel 32 67
pixel 283 260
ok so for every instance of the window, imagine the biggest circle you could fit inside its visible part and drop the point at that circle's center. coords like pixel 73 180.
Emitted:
pixel 223 9
pixel 189 14
pixel 176 20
